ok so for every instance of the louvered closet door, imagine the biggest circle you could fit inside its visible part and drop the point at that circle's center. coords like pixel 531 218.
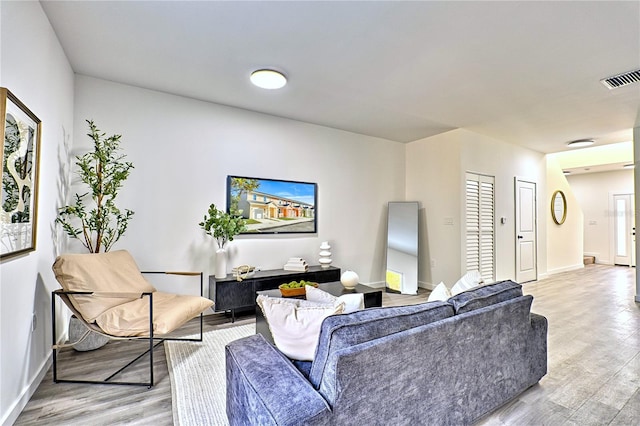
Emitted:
pixel 480 225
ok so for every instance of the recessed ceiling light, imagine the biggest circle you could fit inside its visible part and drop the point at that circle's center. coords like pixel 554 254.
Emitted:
pixel 581 143
pixel 629 166
pixel 268 79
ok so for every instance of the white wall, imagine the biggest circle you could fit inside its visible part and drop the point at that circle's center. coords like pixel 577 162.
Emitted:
pixel 183 149
pixel 594 193
pixel 564 242
pixel 34 68
pixel 435 177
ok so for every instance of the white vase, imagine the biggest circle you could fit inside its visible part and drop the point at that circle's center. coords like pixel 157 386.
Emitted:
pixel 325 254
pixel 221 263
pixel 349 279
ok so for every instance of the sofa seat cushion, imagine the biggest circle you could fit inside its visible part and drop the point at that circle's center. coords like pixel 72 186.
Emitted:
pixel 485 295
pixel 346 330
pixel 111 272
pixel 170 311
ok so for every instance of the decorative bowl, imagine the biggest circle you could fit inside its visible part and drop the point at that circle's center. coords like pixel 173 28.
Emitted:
pixel 297 291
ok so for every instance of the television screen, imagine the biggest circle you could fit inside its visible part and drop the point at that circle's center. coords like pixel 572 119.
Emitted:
pixel 273 206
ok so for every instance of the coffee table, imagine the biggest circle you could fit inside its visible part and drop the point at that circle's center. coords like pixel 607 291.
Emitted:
pixel 372 299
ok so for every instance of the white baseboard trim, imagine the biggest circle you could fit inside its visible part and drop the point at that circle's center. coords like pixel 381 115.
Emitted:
pixel 382 284
pixel 424 284
pixel 565 269
pixel 376 284
pixel 27 393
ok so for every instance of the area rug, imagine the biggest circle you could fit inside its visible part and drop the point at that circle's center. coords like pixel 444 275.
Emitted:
pixel 198 378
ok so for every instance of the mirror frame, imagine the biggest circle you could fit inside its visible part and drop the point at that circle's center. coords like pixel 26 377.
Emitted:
pixel 558 207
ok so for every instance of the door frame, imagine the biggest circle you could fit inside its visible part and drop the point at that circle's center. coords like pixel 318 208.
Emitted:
pixel 612 226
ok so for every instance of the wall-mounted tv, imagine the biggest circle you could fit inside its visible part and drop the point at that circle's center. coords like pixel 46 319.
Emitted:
pixel 272 206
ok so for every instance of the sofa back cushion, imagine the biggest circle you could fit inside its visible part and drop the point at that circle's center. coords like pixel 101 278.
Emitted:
pixel 485 295
pixel 111 272
pixel 341 331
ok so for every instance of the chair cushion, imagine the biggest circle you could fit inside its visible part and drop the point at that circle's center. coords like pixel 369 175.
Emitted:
pixel 170 311
pixel 485 295
pixel 347 330
pixel 114 271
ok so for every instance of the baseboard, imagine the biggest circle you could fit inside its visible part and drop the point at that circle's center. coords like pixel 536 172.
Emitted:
pixel 27 393
pixel 376 284
pixel 382 284
pixel 424 284
pixel 566 269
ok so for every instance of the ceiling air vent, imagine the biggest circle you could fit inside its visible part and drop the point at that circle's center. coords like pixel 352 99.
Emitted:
pixel 621 79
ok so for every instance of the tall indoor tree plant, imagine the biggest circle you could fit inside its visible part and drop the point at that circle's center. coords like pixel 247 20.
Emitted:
pixel 223 227
pixel 104 171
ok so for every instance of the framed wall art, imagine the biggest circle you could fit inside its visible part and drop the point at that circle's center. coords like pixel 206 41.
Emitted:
pixel 20 152
pixel 272 206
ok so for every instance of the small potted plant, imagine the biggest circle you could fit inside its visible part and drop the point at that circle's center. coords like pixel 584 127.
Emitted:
pixel 223 227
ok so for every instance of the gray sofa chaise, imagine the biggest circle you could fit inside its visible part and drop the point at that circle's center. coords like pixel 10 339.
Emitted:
pixel 436 363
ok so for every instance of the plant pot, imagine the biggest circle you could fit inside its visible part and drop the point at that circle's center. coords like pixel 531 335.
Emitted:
pixel 221 263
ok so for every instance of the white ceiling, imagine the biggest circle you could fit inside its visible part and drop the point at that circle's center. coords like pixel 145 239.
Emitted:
pixel 524 72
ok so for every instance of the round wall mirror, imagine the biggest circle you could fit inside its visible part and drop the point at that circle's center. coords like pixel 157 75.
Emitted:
pixel 558 207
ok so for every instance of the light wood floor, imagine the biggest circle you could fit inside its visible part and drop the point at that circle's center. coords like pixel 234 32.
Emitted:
pixel 593 378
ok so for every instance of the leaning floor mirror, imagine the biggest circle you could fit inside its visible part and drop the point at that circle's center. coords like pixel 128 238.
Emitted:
pixel 402 248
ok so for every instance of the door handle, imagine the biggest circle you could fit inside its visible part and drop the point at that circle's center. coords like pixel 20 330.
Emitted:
pixel 520 237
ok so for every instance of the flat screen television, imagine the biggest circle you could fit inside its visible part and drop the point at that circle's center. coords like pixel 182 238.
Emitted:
pixel 272 206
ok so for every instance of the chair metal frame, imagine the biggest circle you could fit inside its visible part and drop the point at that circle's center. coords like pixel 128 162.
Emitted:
pixel 154 342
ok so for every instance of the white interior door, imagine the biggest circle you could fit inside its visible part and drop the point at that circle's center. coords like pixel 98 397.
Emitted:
pixel 526 221
pixel 623 229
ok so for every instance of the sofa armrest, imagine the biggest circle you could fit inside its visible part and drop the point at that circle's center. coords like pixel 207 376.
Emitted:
pixel 264 387
pixel 537 345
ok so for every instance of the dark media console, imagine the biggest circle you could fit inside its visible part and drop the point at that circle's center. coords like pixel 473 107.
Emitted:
pixel 230 295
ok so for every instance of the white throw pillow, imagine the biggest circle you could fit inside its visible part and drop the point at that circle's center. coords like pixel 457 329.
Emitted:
pixel 295 324
pixel 352 302
pixel 441 292
pixel 468 281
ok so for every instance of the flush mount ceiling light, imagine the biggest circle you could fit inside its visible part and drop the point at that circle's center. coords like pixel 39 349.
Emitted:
pixel 581 143
pixel 268 79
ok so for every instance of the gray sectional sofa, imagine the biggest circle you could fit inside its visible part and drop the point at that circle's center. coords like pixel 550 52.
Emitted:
pixel 436 363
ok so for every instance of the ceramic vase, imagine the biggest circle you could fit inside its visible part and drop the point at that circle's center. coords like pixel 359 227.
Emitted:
pixel 325 254
pixel 221 263
pixel 349 279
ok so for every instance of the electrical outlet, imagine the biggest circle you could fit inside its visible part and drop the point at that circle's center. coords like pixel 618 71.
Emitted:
pixel 433 263
pixel 34 321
